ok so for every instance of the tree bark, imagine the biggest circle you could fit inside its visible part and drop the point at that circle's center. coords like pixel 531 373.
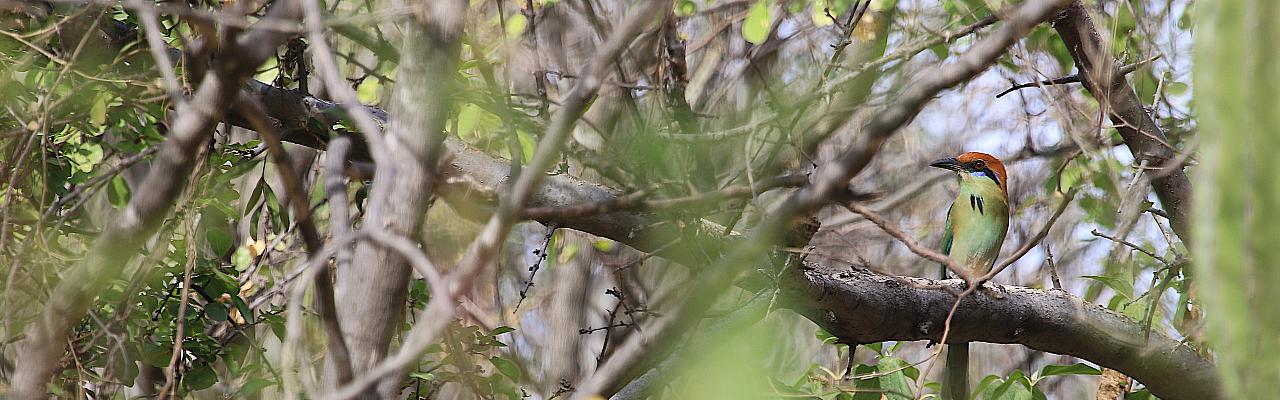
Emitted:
pixel 1146 141
pixel 373 291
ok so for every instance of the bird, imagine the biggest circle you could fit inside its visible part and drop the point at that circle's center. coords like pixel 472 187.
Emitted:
pixel 975 229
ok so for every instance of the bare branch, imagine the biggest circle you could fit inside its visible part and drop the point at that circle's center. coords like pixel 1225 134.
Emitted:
pixel 911 244
pixel 1073 78
pixel 1144 137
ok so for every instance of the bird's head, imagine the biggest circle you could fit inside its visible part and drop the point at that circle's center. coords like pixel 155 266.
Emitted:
pixel 975 165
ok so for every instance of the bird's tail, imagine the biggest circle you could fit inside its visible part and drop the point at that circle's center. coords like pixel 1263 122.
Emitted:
pixel 955 385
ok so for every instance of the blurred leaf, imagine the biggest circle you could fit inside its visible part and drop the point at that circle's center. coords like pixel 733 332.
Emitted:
pixel 98 113
pixel 685 8
pixel 506 367
pixel 253 386
pixel 219 241
pixel 216 312
pixel 243 308
pixel 894 380
pixel 200 377
pixel 1116 284
pixel 118 192
pixel 527 144
pixel 755 28
pixel 516 25
pixel 241 259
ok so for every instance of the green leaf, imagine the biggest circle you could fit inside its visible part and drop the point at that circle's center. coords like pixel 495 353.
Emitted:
pixel 506 367
pixel 155 355
pixel 516 24
pixel 86 156
pixel 215 311
pixel 1117 284
pixel 826 337
pixel 219 241
pixel 98 112
pixel 253 386
pixel 1073 369
pixel 527 144
pixel 755 29
pixel 501 330
pixel 468 120
pixel 894 381
pixel 242 259
pixel 245 312
pixel 426 376
pixel 985 383
pixel 118 192
pixel 685 8
pixel 868 389
pixel 199 377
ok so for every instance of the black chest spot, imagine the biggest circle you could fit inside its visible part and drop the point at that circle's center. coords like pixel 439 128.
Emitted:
pixel 975 203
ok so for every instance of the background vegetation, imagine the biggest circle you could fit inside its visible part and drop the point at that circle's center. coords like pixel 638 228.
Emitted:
pixel 629 199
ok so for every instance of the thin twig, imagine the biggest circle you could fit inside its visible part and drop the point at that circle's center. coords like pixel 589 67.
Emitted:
pixel 540 255
pixel 337 346
pixel 159 49
pixel 327 67
pixel 1129 244
pixel 1053 268
pixel 638 200
pixel 1035 240
pixel 911 244
pixel 1073 78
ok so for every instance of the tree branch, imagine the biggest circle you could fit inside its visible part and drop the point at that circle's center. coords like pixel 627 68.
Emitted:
pixel 1145 139
pixel 862 307
pixel 1073 78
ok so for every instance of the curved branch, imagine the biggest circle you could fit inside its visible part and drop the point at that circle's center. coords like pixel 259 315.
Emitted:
pixel 862 307
pixel 1106 82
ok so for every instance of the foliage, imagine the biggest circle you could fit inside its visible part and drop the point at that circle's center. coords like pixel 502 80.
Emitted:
pixel 84 115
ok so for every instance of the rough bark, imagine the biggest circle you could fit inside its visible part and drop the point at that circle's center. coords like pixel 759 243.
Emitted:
pixel 1146 141
pixel 863 307
pixel 374 289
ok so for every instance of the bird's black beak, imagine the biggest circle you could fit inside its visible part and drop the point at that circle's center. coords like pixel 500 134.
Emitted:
pixel 946 163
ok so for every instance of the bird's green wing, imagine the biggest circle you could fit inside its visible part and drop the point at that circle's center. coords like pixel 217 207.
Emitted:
pixel 947 237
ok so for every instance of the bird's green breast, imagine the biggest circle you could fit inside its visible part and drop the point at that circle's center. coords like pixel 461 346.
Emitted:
pixel 979 219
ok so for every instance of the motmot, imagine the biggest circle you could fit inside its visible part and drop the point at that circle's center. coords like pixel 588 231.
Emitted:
pixel 976 225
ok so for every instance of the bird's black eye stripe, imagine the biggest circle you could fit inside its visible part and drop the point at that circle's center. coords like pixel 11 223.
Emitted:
pixel 979 166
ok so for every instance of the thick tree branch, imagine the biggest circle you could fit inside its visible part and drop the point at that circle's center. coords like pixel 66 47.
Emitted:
pixel 862 307
pixel 1145 139
pixel 375 291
